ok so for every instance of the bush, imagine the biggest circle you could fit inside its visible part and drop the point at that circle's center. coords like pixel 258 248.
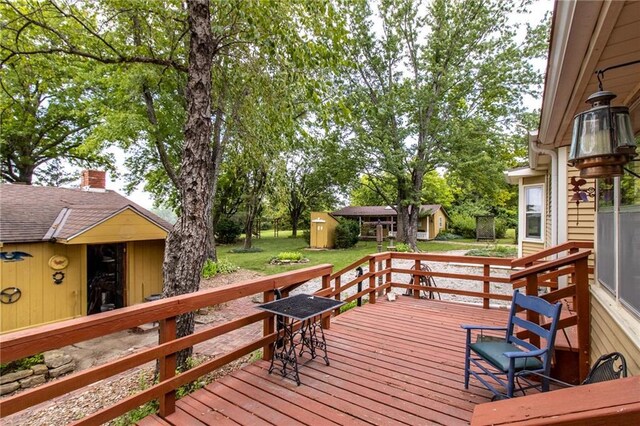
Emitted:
pixel 306 234
pixel 223 266
pixel 227 231
pixel 293 256
pixel 446 236
pixel 347 233
pixel 495 251
pixel 209 269
pixel 501 227
pixel 463 224
pixel 402 248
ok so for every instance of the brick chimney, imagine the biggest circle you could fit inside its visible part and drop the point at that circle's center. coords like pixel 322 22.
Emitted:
pixel 93 179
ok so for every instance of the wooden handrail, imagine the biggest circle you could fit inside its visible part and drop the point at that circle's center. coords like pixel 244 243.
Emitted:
pixel 552 264
pixel 539 255
pixel 24 343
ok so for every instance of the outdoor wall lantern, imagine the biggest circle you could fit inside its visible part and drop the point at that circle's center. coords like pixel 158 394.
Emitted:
pixel 602 141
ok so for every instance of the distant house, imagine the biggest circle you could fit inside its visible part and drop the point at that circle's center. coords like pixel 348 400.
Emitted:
pixel 73 252
pixel 432 220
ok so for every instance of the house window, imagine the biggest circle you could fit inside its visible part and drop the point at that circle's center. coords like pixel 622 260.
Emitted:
pixel 533 211
pixel 440 225
pixel 618 233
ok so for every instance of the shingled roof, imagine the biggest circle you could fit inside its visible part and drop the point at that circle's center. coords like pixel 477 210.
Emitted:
pixel 355 211
pixel 35 213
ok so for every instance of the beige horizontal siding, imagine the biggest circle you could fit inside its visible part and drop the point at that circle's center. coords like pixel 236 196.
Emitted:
pixel 529 247
pixel 607 336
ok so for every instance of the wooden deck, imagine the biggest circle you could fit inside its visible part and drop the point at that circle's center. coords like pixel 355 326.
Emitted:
pixel 391 363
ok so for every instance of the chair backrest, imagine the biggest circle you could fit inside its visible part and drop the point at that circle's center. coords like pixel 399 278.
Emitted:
pixel 605 368
pixel 541 307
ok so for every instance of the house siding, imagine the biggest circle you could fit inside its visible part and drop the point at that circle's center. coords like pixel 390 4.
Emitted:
pixel 580 218
pixel 42 301
pixel 607 335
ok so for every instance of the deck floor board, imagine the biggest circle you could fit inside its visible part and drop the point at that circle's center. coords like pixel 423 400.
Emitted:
pixel 392 363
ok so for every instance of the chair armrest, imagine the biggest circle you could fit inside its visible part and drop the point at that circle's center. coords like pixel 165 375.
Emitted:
pixel 482 327
pixel 537 352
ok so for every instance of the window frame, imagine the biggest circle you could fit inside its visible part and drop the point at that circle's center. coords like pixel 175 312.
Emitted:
pixel 615 289
pixel 523 209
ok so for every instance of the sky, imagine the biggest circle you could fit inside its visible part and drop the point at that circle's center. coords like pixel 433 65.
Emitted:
pixel 139 196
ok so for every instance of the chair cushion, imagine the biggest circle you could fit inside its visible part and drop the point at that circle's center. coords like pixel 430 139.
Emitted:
pixel 493 352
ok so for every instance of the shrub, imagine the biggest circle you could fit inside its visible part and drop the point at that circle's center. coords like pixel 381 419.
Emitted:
pixel 209 269
pixel 293 256
pixel 463 224
pixel 227 231
pixel 402 247
pixel 501 227
pixel 494 251
pixel 306 234
pixel 347 233
pixel 446 236
pixel 223 266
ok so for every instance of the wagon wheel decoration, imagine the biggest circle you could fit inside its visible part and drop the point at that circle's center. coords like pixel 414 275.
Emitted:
pixel 10 295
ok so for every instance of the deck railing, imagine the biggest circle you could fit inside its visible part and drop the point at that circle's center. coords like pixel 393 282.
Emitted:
pixel 381 277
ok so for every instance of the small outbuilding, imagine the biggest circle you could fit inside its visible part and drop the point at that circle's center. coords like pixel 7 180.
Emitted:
pixel 323 230
pixel 67 253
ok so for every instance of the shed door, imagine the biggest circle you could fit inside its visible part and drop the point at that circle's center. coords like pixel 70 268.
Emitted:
pixel 105 277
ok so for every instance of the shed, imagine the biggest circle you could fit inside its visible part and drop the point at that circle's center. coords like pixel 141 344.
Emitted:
pixel 323 230
pixel 73 252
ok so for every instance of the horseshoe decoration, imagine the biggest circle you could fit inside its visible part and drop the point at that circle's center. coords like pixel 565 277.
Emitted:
pixel 58 277
pixel 10 295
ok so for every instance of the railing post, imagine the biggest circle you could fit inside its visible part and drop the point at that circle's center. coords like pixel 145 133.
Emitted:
pixel 166 334
pixel 583 311
pixel 416 280
pixel 338 295
pixel 486 287
pixel 372 280
pixel 326 321
pixel 532 290
pixel 387 278
pixel 268 327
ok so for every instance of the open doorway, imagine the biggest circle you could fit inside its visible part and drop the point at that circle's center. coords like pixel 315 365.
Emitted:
pixel 105 277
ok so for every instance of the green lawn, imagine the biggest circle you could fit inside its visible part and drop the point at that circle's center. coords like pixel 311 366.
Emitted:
pixel 271 246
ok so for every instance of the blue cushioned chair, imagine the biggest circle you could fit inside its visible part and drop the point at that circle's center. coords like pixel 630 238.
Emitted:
pixel 506 360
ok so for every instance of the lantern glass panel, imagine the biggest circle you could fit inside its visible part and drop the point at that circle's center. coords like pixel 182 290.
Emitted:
pixel 624 129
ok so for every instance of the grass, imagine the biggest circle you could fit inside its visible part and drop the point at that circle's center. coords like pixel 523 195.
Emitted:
pixel 272 246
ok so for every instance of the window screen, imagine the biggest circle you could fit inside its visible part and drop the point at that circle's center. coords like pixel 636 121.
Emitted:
pixel 533 212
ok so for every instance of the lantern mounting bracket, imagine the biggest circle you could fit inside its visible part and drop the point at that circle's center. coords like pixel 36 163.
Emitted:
pixel 600 73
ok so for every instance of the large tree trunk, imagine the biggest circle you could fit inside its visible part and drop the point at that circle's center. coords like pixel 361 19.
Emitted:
pixel 187 243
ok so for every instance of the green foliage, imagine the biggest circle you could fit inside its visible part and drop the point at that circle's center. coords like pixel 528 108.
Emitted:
pixel 347 232
pixel 223 266
pixel 209 269
pixel 255 356
pixel 227 231
pixel 353 304
pixel 463 224
pixel 501 227
pixel 403 247
pixel 494 251
pixel 447 236
pixel 306 235
pixel 22 364
pixel 293 256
